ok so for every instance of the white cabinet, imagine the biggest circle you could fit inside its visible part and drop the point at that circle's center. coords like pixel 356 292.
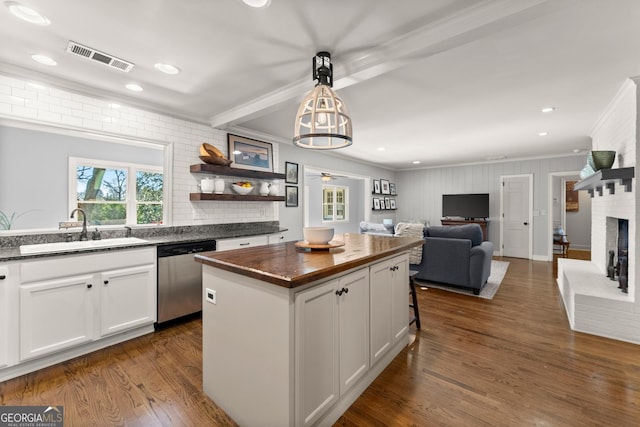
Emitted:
pixel 275 238
pixel 389 301
pixel 66 301
pixel 9 279
pixel 127 298
pixel 332 348
pixel 55 314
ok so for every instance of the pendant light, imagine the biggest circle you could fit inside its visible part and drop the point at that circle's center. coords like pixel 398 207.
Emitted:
pixel 322 121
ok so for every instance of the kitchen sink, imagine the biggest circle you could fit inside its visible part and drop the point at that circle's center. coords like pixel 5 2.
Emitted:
pixel 41 248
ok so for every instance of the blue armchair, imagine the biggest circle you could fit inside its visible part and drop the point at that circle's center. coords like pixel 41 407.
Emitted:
pixel 455 255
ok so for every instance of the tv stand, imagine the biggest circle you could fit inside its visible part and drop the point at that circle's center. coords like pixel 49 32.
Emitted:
pixel 484 224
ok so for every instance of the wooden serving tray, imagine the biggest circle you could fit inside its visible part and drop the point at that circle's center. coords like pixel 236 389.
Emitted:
pixel 325 246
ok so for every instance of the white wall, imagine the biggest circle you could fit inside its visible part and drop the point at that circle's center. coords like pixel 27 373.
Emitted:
pixel 420 194
pixel 60 108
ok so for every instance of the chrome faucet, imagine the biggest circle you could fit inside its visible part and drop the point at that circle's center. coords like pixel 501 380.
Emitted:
pixel 83 233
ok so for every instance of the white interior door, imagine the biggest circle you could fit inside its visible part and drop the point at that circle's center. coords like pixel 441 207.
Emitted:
pixel 517 228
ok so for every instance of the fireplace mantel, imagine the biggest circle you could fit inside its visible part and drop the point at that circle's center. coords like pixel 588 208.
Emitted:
pixel 607 178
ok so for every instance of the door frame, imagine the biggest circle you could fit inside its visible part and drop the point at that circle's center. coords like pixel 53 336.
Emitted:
pixel 530 213
pixel 563 214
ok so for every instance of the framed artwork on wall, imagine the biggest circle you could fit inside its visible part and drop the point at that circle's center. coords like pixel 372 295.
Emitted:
pixel 572 200
pixel 376 203
pixel 384 186
pixel 393 203
pixel 387 203
pixel 251 154
pixel 392 188
pixel 291 196
pixel 376 186
pixel 291 173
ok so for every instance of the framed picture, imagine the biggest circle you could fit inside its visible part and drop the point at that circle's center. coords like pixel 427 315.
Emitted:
pixel 572 201
pixel 291 196
pixel 376 186
pixel 291 173
pixel 376 204
pixel 384 186
pixel 251 154
pixel 387 203
pixel 392 188
pixel 393 203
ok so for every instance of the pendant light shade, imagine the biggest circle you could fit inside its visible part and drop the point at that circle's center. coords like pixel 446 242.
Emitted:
pixel 322 121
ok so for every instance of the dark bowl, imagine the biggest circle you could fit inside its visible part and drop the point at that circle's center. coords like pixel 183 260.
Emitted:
pixel 603 159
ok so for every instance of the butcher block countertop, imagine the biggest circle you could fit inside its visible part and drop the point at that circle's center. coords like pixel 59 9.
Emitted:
pixel 285 264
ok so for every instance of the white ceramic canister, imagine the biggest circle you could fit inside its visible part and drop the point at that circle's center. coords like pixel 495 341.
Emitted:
pixel 273 189
pixel 264 188
pixel 218 185
pixel 206 185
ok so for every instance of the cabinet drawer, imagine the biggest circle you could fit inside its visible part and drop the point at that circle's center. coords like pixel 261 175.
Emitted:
pixel 241 242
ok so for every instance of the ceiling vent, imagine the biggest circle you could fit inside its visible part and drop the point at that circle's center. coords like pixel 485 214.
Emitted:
pixel 101 57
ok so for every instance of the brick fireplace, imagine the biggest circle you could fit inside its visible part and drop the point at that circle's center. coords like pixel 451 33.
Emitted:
pixel 594 303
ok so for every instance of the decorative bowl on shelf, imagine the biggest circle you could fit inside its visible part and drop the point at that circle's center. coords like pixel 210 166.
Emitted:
pixel 211 155
pixel 242 187
pixel 603 159
pixel 317 235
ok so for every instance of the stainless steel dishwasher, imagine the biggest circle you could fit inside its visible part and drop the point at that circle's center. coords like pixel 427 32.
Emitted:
pixel 180 279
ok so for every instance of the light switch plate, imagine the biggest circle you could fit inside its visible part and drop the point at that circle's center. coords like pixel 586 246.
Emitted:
pixel 210 295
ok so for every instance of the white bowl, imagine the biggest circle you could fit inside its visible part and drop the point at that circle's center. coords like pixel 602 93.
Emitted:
pixel 241 190
pixel 317 235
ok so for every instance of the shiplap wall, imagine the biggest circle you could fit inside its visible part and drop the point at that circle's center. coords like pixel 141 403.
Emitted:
pixel 421 191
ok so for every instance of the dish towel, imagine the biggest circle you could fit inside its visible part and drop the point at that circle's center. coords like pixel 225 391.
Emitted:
pixel 405 229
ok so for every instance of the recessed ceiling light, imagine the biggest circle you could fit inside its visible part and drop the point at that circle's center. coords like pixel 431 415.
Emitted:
pixel 167 68
pixel 548 109
pixel 543 133
pixel 416 162
pixel 45 60
pixel 134 87
pixel 26 13
pixel 257 3
pixel 381 148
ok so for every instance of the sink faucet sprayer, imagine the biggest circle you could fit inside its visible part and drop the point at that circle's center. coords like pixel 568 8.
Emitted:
pixel 83 233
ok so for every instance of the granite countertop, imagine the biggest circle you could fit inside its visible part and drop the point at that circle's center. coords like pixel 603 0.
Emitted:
pixel 290 266
pixel 156 237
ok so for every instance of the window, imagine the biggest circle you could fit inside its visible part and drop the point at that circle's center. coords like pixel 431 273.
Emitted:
pixel 113 193
pixel 335 200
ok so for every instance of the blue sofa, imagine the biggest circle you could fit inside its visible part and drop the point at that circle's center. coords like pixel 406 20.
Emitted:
pixel 455 255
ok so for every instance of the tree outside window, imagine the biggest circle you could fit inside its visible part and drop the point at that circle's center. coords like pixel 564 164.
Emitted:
pixel 113 194
pixel 334 203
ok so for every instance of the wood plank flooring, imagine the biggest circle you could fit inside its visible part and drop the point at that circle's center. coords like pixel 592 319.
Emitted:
pixel 510 361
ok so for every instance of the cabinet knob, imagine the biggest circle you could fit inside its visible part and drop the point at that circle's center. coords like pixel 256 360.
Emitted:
pixel 89 286
pixel 339 292
pixel 2 277
pixel 106 282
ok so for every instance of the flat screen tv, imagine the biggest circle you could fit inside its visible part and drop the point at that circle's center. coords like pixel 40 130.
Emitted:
pixel 468 206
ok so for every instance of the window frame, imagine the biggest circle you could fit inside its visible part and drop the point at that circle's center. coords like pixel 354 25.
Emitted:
pixel 334 203
pixel 131 201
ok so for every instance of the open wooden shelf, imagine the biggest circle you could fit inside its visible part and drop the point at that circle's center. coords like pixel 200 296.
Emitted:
pixel 228 171
pixel 235 197
pixel 607 178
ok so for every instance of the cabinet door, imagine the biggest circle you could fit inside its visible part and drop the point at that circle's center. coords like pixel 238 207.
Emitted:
pixel 55 314
pixel 380 309
pixel 275 238
pixel 127 298
pixel 6 281
pixel 354 327
pixel 399 297
pixel 316 352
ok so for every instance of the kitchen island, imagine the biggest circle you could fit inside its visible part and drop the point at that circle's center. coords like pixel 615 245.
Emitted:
pixel 292 336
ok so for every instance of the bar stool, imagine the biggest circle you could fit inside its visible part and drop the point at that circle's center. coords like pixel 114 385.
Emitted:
pixel 414 298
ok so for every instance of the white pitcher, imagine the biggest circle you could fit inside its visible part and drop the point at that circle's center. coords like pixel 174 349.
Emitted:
pixel 264 188
pixel 218 185
pixel 273 189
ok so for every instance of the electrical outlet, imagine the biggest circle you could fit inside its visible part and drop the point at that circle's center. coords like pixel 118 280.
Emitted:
pixel 210 295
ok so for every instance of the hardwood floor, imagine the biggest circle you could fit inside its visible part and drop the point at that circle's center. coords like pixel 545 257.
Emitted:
pixel 510 361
